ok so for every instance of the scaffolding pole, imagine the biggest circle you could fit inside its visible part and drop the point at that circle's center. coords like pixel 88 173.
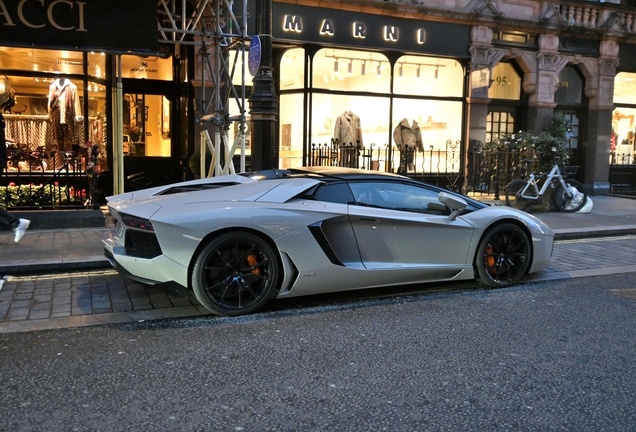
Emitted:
pixel 221 42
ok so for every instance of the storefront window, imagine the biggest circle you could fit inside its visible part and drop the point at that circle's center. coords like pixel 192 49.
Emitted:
pixel 291 130
pixel 146 67
pixel 350 108
pixel 427 76
pixel 48 122
pixel 623 139
pixel 145 120
pixel 292 74
pixel 506 82
pixel 349 70
pixel 625 88
pixel 237 78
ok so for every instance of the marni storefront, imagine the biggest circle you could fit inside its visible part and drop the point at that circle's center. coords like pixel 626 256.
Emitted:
pixel 361 79
pixel 60 58
pixel 460 84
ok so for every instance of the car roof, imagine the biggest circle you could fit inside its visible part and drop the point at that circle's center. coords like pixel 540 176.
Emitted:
pixel 330 174
pixel 325 173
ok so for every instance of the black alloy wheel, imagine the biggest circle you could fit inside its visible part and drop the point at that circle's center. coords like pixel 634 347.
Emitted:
pixel 236 274
pixel 503 256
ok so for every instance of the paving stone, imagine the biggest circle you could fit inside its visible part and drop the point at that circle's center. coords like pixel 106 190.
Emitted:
pixel 39 314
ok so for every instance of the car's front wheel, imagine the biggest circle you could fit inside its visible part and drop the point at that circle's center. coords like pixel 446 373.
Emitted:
pixel 503 255
pixel 235 274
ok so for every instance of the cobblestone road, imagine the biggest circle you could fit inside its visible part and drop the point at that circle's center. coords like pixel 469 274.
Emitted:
pixel 103 296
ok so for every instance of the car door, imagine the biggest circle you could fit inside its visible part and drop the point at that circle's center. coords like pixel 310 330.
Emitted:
pixel 404 225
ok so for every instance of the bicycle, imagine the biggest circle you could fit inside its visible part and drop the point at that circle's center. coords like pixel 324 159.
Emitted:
pixel 568 195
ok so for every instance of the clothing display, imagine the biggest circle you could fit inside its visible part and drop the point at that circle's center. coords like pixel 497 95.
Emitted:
pixel 64 108
pixel 37 131
pixel 407 133
pixel 347 131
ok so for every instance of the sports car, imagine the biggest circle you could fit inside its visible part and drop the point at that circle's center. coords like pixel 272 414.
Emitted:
pixel 240 240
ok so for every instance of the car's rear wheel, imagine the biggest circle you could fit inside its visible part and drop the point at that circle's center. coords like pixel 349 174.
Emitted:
pixel 235 274
pixel 503 256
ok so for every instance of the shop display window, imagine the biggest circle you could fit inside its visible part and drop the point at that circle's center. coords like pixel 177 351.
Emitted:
pixel 292 69
pixel 48 128
pixel 433 128
pixel 146 120
pixel 147 67
pixel 625 88
pixel 623 140
pixel 349 70
pixel 351 123
pixel 237 77
pixel 505 82
pixel 428 76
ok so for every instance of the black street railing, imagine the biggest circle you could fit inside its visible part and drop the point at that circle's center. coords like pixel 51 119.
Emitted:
pixel 37 180
pixel 622 173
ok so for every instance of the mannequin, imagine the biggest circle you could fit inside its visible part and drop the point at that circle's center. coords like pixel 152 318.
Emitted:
pixel 407 133
pixel 347 132
pixel 348 136
pixel 408 138
pixel 64 110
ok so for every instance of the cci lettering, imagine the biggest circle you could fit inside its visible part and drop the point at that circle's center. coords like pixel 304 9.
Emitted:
pixel 44 14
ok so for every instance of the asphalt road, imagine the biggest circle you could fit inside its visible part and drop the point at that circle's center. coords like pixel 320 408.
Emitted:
pixel 550 355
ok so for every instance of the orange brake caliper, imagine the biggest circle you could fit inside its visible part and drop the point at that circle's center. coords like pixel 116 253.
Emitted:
pixel 251 260
pixel 490 260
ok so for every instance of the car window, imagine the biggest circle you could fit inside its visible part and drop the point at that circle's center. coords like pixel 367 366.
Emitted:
pixel 397 196
pixel 335 193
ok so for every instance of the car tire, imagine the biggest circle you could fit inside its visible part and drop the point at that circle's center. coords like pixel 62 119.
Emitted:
pixel 236 273
pixel 503 255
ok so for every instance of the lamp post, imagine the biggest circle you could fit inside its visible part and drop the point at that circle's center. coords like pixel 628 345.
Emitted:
pixel 263 100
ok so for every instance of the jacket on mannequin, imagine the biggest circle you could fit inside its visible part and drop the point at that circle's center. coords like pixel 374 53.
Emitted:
pixel 64 109
pixel 347 131
pixel 407 133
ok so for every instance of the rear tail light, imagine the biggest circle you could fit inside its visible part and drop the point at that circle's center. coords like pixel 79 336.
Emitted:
pixel 136 222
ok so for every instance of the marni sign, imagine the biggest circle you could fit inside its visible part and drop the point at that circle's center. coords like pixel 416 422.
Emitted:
pixel 117 25
pixel 343 28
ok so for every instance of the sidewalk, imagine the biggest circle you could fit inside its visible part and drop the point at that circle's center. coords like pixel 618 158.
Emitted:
pixel 65 250
pixel 58 298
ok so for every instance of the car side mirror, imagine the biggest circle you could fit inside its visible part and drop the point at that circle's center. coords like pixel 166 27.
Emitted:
pixel 455 203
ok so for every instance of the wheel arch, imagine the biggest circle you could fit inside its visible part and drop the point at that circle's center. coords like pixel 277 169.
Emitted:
pixel 210 236
pixel 513 221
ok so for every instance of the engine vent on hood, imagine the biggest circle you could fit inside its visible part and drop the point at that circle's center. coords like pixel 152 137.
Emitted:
pixel 195 188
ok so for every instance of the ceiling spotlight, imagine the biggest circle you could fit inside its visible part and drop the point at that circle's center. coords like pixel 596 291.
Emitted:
pixel 364 68
pixel 335 66
pixel 379 70
pixel 436 76
pixel 350 68
pixel 401 72
pixel 417 74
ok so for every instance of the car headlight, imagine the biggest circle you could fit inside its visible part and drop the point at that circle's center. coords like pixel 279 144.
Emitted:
pixel 136 222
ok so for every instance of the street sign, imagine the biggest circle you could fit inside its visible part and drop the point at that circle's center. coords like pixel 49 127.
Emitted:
pixel 254 56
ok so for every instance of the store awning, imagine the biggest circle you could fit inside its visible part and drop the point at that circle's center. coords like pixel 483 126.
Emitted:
pixel 100 25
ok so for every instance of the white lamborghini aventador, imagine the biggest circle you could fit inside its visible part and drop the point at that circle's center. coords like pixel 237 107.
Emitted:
pixel 238 241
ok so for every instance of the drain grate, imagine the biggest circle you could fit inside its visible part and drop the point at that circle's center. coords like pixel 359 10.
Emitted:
pixel 629 293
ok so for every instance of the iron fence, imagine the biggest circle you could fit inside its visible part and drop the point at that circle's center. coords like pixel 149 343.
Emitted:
pixel 622 173
pixel 438 166
pixel 39 180
pixel 487 171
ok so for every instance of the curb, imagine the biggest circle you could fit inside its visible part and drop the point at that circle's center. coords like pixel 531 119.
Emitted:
pixel 26 269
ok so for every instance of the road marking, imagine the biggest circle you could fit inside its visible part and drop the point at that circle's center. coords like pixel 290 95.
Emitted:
pixel 596 239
